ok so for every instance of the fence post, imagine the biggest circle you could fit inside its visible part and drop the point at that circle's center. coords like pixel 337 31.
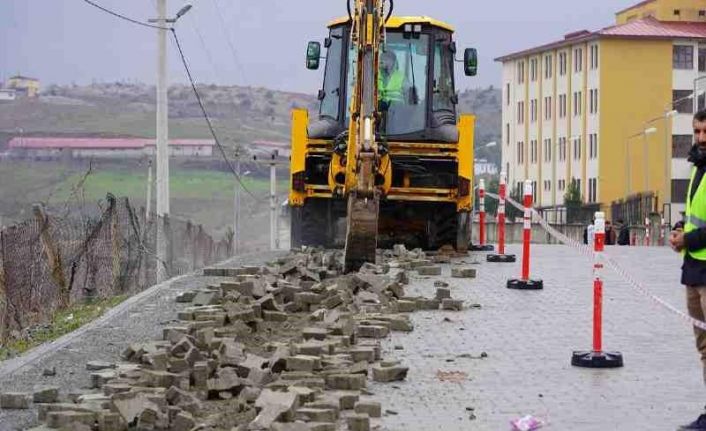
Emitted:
pixel 114 245
pixel 169 240
pixel 53 256
pixel 3 288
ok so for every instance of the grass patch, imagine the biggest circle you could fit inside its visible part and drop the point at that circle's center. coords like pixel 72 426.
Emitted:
pixel 64 322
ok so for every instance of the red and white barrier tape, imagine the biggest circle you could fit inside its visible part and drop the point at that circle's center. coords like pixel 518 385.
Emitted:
pixel 588 251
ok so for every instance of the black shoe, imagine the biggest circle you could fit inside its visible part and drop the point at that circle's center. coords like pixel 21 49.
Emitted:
pixel 698 424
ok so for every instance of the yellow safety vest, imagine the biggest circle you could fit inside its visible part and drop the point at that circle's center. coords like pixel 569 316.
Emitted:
pixel 392 91
pixel 696 212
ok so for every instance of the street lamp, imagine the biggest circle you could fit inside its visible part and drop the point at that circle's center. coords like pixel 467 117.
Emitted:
pixel 179 14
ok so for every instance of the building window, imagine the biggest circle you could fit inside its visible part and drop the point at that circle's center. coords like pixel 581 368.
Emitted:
pixel 593 101
pixel 681 101
pixel 520 153
pixel 677 12
pixel 520 112
pixel 507 94
pixel 702 12
pixel 578 60
pixel 507 133
pixel 521 72
pixel 683 57
pixel 594 57
pixel 533 151
pixel 702 59
pixel 547 150
pixel 577 103
pixel 592 190
pixel 562 105
pixel 562 63
pixel 548 108
pixel 533 110
pixel 679 188
pixel 533 69
pixel 548 67
pixel 681 144
pixel 577 148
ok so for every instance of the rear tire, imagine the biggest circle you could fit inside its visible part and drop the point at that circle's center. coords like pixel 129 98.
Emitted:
pixel 443 229
pixel 312 225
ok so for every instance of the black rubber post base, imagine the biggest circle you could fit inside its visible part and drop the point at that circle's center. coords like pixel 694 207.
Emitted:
pixel 597 359
pixel 476 247
pixel 525 284
pixel 501 258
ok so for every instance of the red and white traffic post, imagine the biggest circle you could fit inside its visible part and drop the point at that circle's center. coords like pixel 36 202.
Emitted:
pixel 501 256
pixel 481 246
pixel 597 358
pixel 525 283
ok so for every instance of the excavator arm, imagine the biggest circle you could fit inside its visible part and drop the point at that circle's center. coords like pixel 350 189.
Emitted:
pixel 364 156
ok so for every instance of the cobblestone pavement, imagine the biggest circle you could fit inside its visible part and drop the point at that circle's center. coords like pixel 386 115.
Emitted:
pixel 529 337
pixel 142 321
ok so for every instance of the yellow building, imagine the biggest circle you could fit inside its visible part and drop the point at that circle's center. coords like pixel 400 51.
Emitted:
pixel 607 110
pixel 23 85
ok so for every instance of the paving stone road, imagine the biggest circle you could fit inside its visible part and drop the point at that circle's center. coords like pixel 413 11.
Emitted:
pixel 529 337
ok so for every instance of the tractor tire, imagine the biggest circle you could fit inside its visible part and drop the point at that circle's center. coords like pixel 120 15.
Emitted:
pixel 315 224
pixel 444 227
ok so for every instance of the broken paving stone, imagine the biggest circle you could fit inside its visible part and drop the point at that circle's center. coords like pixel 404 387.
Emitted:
pixel 346 381
pixel 205 297
pixel 452 304
pixel 49 372
pixel 428 304
pixel 49 394
pixel 358 422
pixel 315 333
pixel 373 331
pixel 439 283
pixel 463 272
pixel 66 419
pixel 303 363
pixel 187 296
pixel 100 378
pixel 99 365
pixel 273 405
pixel 317 415
pixel 274 316
pixel 14 400
pixel 389 374
pixel 406 306
pixel 371 408
pixel 429 270
pixel 184 421
pixel 362 354
pixel 443 293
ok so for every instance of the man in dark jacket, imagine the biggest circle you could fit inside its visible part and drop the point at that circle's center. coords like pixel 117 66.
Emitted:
pixel 691 241
pixel 623 233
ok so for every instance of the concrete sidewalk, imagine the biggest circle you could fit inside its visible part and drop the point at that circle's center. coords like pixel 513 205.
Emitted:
pixel 529 338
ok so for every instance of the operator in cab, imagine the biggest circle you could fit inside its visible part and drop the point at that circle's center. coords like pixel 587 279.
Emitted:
pixel 390 81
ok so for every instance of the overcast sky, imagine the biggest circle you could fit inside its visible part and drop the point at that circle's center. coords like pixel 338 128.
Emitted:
pixel 68 41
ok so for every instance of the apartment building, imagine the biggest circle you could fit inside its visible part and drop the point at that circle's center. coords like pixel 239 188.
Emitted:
pixel 608 110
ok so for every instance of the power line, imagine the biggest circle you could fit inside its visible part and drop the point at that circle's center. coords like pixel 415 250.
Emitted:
pixel 208 119
pixel 193 86
pixel 233 51
pixel 134 21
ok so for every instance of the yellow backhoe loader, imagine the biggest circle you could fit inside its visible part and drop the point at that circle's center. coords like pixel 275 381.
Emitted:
pixel 387 159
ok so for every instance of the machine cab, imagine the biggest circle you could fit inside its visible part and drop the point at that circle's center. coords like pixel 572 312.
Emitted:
pixel 416 89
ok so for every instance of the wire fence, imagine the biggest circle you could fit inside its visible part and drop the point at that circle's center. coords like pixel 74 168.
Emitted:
pixel 49 262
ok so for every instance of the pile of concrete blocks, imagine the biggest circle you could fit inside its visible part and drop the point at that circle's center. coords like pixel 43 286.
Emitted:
pixel 226 347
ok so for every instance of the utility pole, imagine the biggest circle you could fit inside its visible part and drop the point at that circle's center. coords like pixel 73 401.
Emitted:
pixel 236 205
pixel 162 141
pixel 148 205
pixel 162 114
pixel 274 237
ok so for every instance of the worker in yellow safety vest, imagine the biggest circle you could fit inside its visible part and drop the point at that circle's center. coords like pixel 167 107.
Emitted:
pixel 691 241
pixel 390 81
